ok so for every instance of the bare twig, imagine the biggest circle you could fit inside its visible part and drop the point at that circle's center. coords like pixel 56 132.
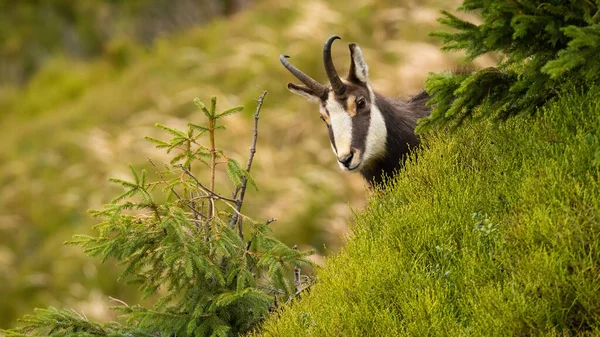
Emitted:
pixel 304 285
pixel 198 213
pixel 239 200
pixel 297 293
pixel 204 188
pixel 118 300
pixel 297 272
pixel 239 214
pixel 260 101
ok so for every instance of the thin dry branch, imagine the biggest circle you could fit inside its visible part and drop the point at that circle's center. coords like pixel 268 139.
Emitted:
pixel 204 188
pixel 239 200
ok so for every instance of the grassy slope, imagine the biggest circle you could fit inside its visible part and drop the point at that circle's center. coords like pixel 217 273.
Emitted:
pixel 76 124
pixel 493 232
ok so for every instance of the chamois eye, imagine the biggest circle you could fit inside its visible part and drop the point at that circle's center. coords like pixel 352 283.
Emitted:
pixel 360 103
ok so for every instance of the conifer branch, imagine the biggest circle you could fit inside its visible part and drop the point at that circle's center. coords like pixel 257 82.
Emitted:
pixel 213 153
pixel 266 224
pixel 533 66
pixel 198 213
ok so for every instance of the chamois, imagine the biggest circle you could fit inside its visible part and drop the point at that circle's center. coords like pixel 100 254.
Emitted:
pixel 368 132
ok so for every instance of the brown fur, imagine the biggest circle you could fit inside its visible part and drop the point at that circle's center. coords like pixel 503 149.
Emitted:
pixel 400 120
pixel 400 116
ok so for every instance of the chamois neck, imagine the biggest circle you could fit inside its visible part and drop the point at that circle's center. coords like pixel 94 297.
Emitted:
pixel 400 119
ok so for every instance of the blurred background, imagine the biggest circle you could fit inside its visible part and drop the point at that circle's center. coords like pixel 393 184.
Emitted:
pixel 82 82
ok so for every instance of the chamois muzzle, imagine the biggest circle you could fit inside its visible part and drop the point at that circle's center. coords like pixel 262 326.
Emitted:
pixel 347 160
pixel 336 82
pixel 319 89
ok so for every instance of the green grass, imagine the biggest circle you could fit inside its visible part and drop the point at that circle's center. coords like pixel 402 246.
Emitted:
pixel 493 231
pixel 77 123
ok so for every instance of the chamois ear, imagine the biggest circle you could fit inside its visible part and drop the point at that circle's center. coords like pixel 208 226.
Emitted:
pixel 359 71
pixel 303 91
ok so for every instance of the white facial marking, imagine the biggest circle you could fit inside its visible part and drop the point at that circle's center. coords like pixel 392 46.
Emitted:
pixel 341 125
pixel 377 134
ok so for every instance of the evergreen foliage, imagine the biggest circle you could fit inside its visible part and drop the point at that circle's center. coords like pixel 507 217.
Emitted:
pixel 175 238
pixel 542 45
pixel 77 122
pixel 491 232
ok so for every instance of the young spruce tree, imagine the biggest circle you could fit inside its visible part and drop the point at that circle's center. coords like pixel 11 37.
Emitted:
pixel 178 238
pixel 542 44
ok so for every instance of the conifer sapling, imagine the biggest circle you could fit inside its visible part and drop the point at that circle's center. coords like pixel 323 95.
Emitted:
pixel 182 242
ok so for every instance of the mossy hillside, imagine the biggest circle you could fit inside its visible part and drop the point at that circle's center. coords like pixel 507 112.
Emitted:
pixel 491 232
pixel 77 123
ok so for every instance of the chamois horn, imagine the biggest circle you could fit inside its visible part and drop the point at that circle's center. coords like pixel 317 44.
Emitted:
pixel 313 85
pixel 336 83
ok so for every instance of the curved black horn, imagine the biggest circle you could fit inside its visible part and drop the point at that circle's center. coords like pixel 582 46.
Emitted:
pixel 336 83
pixel 313 85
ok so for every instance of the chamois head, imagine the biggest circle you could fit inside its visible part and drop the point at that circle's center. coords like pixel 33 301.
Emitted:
pixel 368 132
pixel 356 126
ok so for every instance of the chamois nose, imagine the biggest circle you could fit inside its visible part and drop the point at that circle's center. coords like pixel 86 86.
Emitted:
pixel 347 159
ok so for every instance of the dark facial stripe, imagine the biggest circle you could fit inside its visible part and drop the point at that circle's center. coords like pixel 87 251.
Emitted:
pixel 360 129
pixel 329 129
pixel 325 116
pixel 331 138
